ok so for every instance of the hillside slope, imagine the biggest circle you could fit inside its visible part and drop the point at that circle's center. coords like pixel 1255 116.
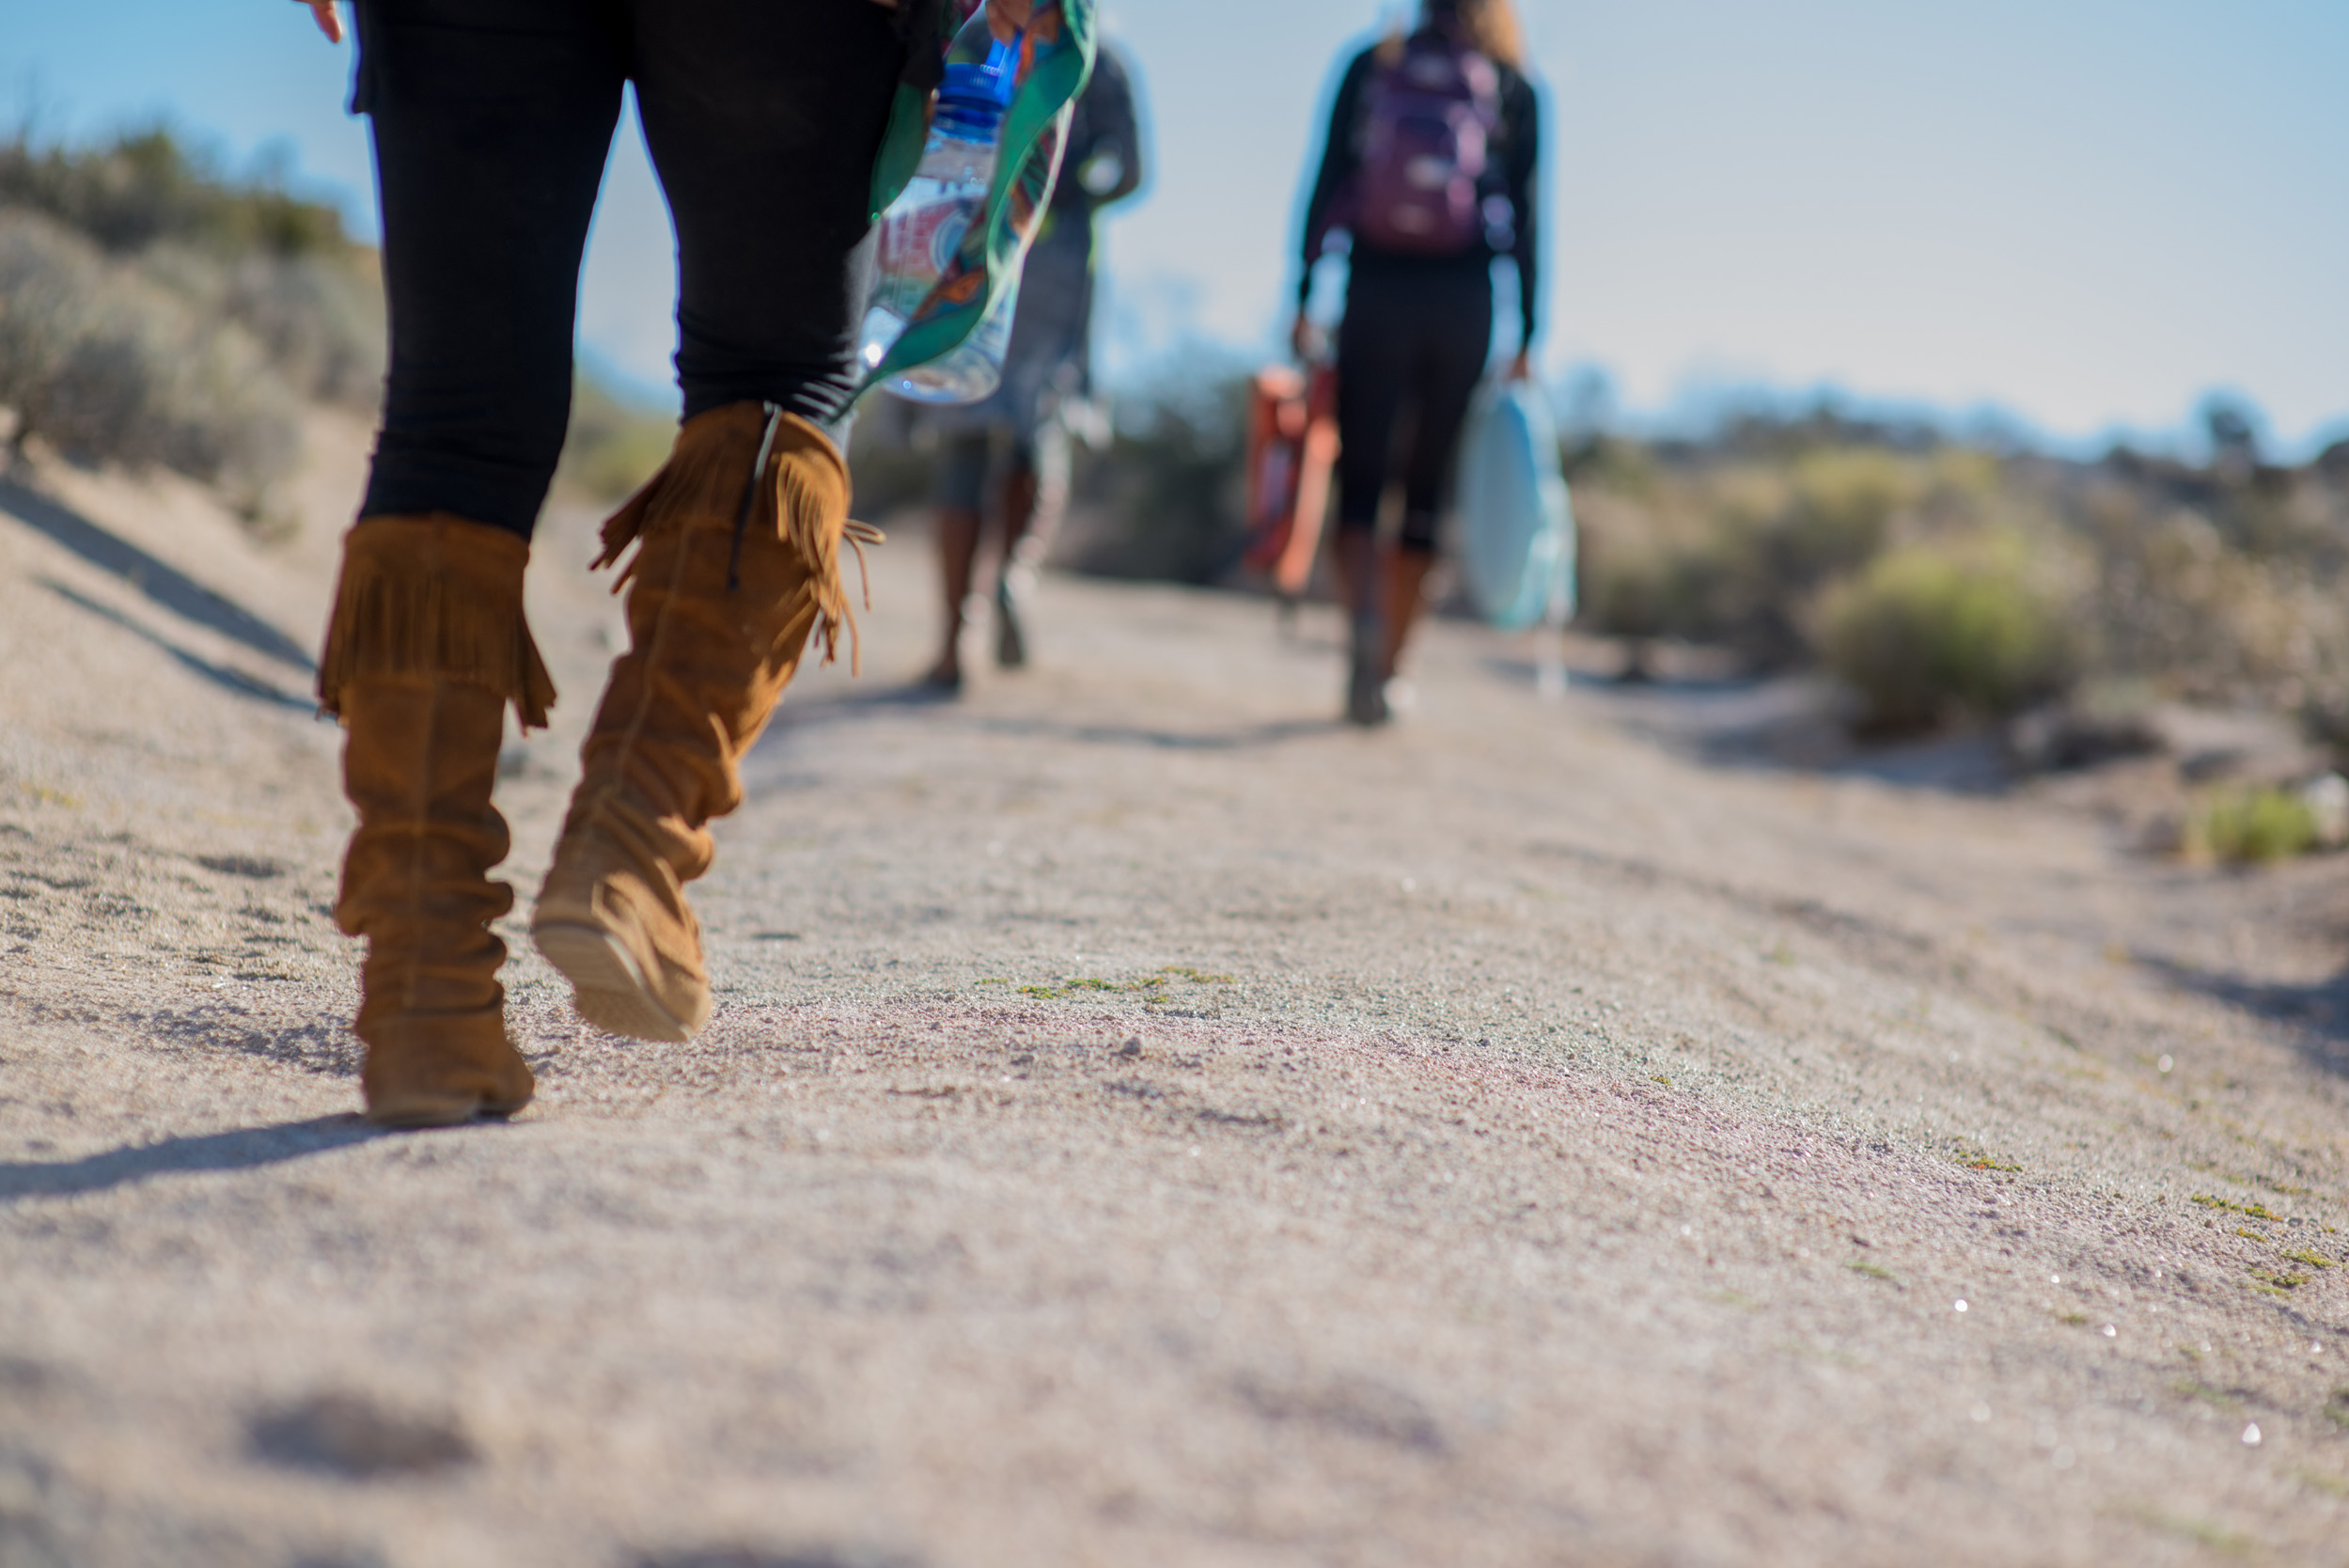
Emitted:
pixel 1144 1121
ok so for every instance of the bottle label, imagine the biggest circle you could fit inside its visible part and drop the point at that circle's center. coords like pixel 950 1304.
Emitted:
pixel 919 246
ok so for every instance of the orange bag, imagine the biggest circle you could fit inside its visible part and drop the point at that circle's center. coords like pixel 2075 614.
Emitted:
pixel 1293 450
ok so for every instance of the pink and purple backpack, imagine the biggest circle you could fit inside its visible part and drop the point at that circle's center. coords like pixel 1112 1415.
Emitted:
pixel 1427 129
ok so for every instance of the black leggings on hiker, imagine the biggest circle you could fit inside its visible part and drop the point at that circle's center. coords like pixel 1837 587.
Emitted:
pixel 492 122
pixel 1413 343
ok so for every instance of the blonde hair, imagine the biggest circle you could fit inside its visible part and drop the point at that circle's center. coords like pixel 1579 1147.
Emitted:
pixel 1492 29
pixel 1492 25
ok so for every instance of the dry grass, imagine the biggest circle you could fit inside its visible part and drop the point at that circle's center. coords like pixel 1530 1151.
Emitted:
pixel 1940 580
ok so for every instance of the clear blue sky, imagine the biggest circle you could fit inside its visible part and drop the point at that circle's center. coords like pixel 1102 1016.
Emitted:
pixel 2086 212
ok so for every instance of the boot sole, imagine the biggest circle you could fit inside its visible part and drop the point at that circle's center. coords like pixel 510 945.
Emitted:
pixel 608 990
pixel 416 1114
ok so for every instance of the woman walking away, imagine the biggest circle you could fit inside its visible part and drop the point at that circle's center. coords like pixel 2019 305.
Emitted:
pixel 492 120
pixel 1430 170
pixel 1046 371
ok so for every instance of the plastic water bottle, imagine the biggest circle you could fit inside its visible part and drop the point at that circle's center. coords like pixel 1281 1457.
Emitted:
pixel 925 226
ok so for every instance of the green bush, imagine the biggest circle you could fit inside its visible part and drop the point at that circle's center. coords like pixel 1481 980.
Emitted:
pixel 241 251
pixel 319 319
pixel 1165 498
pixel 1928 633
pixel 146 186
pixel 1648 561
pixel 106 366
pixel 1629 586
pixel 1733 552
pixel 1837 518
pixel 613 446
pixel 2251 826
pixel 2178 599
pixel 1779 538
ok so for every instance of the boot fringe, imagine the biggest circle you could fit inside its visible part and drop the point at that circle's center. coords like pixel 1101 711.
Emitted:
pixel 411 605
pixel 620 529
pixel 786 502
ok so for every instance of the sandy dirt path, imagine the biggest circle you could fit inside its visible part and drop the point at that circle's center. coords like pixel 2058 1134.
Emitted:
pixel 1144 1122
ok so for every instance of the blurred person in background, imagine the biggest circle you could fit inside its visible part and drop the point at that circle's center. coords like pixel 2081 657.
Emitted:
pixel 1019 436
pixel 492 122
pixel 1431 171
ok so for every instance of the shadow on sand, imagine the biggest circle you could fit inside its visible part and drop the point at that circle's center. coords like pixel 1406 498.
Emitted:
pixel 240 1149
pixel 1787 722
pixel 227 679
pixel 804 1557
pixel 811 717
pixel 2316 1013
pixel 161 582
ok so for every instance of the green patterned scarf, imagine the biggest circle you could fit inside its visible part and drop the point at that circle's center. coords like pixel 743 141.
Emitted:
pixel 1055 60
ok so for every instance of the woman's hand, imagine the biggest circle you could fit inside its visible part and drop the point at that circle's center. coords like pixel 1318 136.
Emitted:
pixel 1005 18
pixel 329 20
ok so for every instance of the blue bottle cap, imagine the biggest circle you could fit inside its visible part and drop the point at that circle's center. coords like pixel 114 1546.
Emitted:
pixel 984 85
pixel 970 85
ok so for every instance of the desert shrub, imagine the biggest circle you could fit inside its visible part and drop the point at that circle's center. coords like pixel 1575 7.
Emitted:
pixel 1644 568
pixel 614 445
pixel 319 319
pixel 146 185
pixel 1628 585
pixel 241 251
pixel 106 366
pixel 2177 602
pixel 1782 538
pixel 1733 550
pixel 1163 501
pixel 2251 826
pixel 2226 582
pixel 1929 632
pixel 1838 516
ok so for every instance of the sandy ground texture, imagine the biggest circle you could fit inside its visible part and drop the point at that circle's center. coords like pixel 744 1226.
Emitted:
pixel 1144 1122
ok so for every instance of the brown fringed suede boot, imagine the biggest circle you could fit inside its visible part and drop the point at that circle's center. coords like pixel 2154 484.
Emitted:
pixel 738 542
pixel 426 649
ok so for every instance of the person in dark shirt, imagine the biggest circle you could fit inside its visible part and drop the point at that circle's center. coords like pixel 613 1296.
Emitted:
pixel 1047 378
pixel 1418 321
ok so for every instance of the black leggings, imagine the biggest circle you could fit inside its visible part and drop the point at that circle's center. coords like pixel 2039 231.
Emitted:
pixel 492 122
pixel 1416 333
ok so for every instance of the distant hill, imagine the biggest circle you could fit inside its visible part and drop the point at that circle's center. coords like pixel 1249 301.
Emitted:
pixel 159 312
pixel 155 310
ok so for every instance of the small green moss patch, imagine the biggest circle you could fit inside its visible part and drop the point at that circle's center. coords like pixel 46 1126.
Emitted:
pixel 2194 1388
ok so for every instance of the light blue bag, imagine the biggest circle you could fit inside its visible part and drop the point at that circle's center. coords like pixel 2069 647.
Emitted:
pixel 1516 524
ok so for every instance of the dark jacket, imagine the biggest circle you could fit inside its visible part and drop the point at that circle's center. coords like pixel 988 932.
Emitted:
pixel 1103 124
pixel 1515 153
